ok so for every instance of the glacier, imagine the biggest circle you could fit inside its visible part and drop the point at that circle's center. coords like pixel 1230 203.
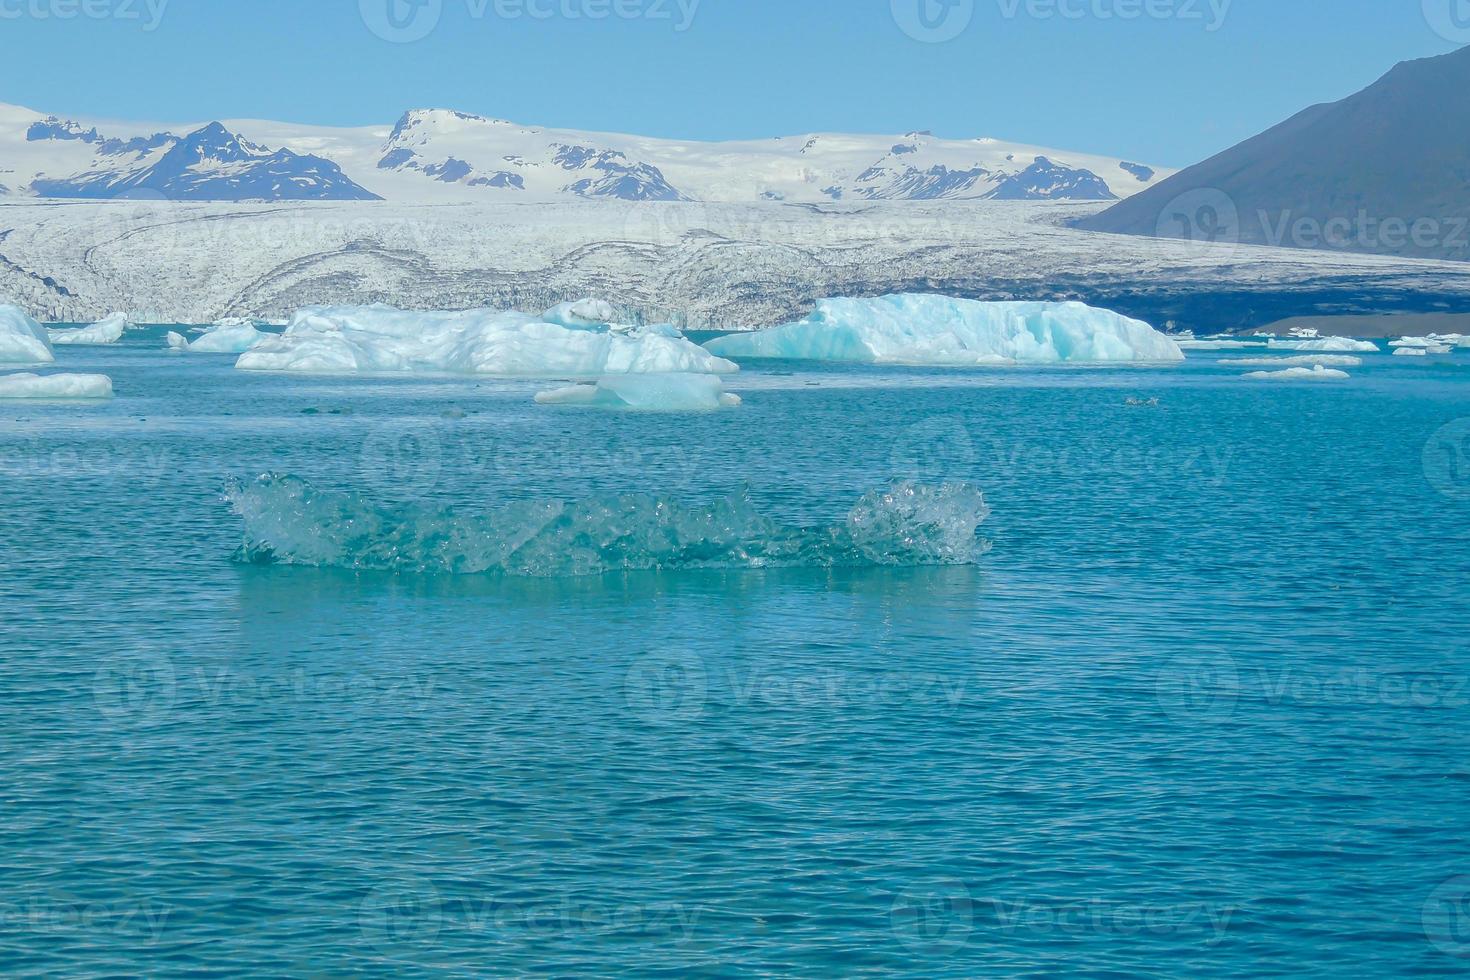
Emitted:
pixel 22 339
pixel 1318 373
pixel 288 521
pixel 928 329
pixel 58 386
pixel 108 330
pixel 381 339
pixel 647 393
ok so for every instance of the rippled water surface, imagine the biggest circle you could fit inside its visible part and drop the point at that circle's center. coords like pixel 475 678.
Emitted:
pixel 1202 709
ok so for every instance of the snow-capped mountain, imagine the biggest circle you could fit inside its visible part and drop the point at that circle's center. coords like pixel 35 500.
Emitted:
pixel 1386 170
pixel 443 156
pixel 209 164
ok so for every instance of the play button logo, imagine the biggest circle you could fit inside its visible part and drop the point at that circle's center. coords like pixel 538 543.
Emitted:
pixel 401 21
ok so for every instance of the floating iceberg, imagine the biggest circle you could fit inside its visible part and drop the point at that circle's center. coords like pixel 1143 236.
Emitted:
pixel 287 521
pixel 647 393
pixel 1305 360
pixel 58 386
pixel 929 329
pixel 1318 373
pixel 1411 352
pixel 22 340
pixel 1213 344
pixel 177 341
pixel 352 339
pixel 106 331
pixel 1345 344
pixel 581 314
pixel 1434 343
pixel 232 336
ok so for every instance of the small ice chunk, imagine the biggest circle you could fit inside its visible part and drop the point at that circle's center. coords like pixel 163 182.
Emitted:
pixel 22 340
pixel 581 314
pixel 1411 352
pixel 647 393
pixel 105 331
pixel 57 386
pixel 1318 373
pixel 1305 360
pixel 177 341
pixel 927 329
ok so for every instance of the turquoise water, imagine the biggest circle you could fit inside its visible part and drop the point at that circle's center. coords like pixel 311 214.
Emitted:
pixel 1202 708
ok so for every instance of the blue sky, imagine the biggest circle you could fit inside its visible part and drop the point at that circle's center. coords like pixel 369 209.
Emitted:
pixel 1160 81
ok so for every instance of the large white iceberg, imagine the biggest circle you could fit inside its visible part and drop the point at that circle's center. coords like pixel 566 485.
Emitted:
pixel 1318 373
pixel 938 330
pixel 22 340
pixel 381 339
pixel 105 331
pixel 60 386
pixel 647 393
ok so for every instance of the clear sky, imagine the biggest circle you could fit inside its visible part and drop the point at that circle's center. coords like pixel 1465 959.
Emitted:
pixel 1160 81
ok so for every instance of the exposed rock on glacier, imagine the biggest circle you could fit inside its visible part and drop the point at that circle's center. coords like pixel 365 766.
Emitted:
pixel 60 386
pixel 647 393
pixel 380 339
pixel 22 340
pixel 288 521
pixel 106 331
pixel 929 329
